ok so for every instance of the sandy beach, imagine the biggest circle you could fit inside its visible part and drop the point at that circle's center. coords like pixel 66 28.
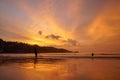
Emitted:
pixel 51 67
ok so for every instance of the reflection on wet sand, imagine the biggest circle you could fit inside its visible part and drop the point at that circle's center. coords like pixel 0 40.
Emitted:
pixel 29 60
pixel 60 69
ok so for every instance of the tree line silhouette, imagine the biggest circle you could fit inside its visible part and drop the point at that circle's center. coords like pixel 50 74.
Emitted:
pixel 19 47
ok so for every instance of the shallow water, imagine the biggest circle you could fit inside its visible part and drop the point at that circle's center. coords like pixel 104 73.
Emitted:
pixel 60 69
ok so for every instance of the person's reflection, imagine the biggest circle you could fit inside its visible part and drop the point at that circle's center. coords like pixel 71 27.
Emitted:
pixel 92 59
pixel 35 62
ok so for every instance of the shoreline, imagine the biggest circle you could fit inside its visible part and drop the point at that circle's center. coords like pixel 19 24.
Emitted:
pixel 62 57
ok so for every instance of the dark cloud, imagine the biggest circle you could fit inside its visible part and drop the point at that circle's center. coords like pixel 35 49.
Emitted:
pixel 40 32
pixel 73 42
pixel 52 36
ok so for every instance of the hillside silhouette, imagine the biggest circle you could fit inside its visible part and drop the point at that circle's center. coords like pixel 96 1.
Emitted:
pixel 19 47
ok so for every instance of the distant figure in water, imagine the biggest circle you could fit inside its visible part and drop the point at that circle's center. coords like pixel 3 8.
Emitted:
pixel 35 51
pixel 92 54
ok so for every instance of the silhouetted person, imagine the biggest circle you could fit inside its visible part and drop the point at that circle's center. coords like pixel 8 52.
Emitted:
pixel 92 54
pixel 35 51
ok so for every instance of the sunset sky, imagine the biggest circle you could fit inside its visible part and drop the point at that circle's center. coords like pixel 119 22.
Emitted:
pixel 83 25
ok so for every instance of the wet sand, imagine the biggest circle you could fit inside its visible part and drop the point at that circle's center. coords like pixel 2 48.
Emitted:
pixel 57 68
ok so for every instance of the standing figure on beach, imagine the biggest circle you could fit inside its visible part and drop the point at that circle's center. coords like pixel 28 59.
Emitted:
pixel 92 54
pixel 35 51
